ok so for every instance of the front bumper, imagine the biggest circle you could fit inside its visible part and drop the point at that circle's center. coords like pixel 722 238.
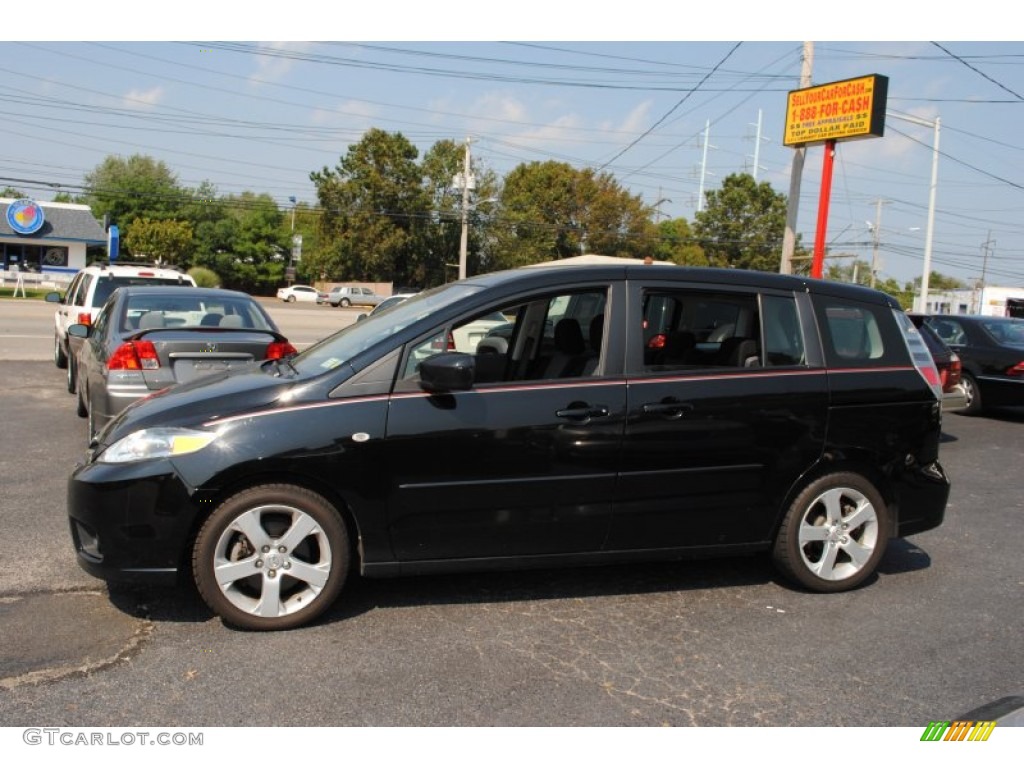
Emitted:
pixel 130 522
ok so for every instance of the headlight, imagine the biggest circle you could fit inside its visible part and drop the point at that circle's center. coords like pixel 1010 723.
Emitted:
pixel 156 443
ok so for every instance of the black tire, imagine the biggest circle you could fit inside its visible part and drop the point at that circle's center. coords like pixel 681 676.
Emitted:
pixel 82 409
pixel 344 303
pixel 60 357
pixel 72 376
pixel 814 548
pixel 291 299
pixel 306 576
pixel 972 393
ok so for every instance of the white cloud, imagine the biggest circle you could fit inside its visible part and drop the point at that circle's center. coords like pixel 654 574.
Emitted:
pixel 136 99
pixel 271 68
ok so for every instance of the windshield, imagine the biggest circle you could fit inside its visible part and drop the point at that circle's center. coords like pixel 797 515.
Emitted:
pixel 335 350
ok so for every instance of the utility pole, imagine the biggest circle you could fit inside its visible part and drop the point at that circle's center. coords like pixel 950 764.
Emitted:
pixel 466 182
pixel 984 271
pixel 704 165
pixel 796 174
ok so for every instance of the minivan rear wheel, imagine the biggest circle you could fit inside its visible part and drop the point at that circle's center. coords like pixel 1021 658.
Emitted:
pixel 271 557
pixel 834 533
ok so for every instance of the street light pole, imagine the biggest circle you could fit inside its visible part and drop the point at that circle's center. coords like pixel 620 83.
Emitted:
pixel 291 253
pixel 929 233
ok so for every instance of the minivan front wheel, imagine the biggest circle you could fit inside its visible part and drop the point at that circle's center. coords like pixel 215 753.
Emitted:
pixel 834 533
pixel 271 557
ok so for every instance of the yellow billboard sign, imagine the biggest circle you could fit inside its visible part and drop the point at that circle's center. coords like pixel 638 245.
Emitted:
pixel 846 109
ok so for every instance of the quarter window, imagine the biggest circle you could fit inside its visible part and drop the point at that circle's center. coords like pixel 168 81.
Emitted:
pixel 858 335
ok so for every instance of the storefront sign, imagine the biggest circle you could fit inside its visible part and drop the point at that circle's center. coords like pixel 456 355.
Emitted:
pixel 25 216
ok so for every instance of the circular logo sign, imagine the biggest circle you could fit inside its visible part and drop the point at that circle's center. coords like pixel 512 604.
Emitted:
pixel 25 216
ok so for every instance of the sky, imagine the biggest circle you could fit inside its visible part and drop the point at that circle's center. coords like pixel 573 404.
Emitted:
pixel 217 99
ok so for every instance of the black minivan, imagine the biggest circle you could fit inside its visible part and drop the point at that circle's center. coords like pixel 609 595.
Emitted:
pixel 619 413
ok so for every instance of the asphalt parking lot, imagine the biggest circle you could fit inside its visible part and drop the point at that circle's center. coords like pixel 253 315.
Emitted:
pixel 709 643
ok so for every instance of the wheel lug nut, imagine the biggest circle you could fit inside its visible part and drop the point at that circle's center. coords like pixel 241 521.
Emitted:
pixel 843 540
pixel 287 564
pixel 282 549
pixel 272 573
pixel 259 563
pixel 265 549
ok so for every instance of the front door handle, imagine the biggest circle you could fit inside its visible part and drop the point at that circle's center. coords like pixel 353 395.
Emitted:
pixel 582 412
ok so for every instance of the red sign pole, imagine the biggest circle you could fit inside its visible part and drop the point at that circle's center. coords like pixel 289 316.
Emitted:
pixel 823 202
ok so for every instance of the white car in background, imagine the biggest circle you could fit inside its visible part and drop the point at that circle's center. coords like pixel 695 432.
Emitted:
pixel 88 291
pixel 294 293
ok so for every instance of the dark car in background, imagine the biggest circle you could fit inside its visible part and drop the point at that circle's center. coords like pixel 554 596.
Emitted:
pixel 991 351
pixel 954 397
pixel 804 422
pixel 146 339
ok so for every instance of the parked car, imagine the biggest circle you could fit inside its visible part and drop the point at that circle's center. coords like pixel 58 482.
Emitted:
pixel 88 291
pixel 813 436
pixel 991 351
pixel 146 339
pixel 954 397
pixel 293 293
pixel 348 295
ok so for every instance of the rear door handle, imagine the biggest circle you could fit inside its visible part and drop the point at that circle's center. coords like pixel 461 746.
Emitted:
pixel 667 410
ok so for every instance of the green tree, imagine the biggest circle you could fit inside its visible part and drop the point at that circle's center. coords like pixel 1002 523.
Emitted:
pixel 374 209
pixel 163 241
pixel 677 244
pixel 551 210
pixel 138 187
pixel 939 282
pixel 742 224
pixel 248 245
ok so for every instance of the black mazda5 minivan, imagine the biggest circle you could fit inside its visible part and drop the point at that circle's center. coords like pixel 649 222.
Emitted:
pixel 561 415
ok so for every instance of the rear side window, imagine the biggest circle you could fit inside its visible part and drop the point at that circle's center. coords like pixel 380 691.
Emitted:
pixel 858 335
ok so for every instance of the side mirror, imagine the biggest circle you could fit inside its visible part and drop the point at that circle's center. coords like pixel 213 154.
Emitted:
pixel 53 297
pixel 79 330
pixel 361 316
pixel 448 372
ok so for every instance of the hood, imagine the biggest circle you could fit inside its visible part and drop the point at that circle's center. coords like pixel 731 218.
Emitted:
pixel 200 400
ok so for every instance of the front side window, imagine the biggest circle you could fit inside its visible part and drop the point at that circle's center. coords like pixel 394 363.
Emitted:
pixel 535 338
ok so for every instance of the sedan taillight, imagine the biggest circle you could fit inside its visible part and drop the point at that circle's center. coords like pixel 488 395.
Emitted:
pixel 85 318
pixel 134 356
pixel 955 371
pixel 1016 370
pixel 278 349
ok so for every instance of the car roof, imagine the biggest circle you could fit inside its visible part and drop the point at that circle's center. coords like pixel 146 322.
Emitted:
pixel 541 275
pixel 137 269
pixel 188 290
